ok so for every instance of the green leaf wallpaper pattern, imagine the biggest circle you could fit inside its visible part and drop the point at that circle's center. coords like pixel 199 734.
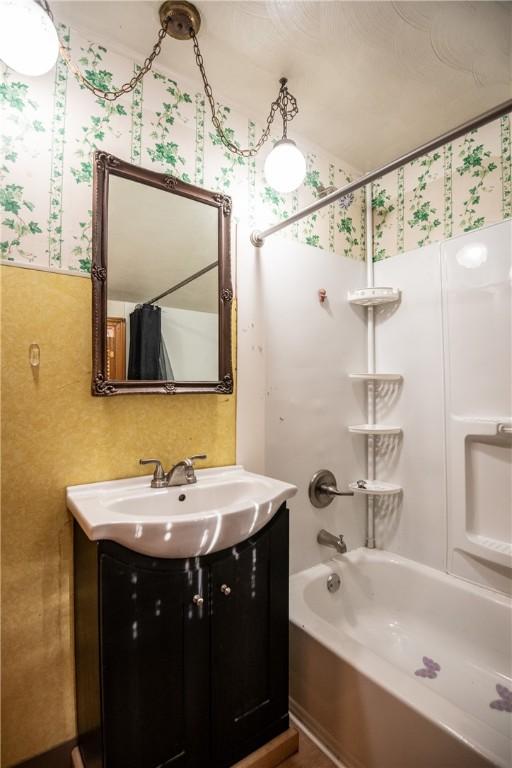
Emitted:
pixel 251 174
pixel 384 220
pixel 170 114
pixel 313 183
pixel 447 190
pixel 58 124
pixel 51 125
pixel 100 122
pixel 230 163
pixel 422 204
pixel 163 124
pixel 199 152
pixel 477 163
pixel 24 143
pixel 461 187
pixel 90 123
pixel 136 118
pixel 506 166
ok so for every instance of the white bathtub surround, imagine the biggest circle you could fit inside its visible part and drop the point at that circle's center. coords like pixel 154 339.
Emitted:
pixel 477 304
pixel 403 640
pixel 295 398
pixel 406 665
pixel 450 338
pixel 311 347
pixel 250 356
pixel 409 340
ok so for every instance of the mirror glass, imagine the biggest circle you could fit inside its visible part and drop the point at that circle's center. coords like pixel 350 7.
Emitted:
pixel 163 285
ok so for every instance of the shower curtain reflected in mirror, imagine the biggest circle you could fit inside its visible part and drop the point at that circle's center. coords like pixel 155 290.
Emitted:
pixel 148 358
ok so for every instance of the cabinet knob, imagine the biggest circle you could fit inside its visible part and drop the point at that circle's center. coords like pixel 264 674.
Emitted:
pixel 198 600
pixel 225 590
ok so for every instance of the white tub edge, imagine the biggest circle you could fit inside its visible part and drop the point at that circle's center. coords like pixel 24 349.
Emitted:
pixel 410 691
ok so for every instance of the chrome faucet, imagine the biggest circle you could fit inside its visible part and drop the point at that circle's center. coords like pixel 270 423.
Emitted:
pixel 330 540
pixel 181 473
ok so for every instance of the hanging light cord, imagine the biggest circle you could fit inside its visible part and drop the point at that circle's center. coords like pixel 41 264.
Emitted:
pixel 285 103
pixel 127 87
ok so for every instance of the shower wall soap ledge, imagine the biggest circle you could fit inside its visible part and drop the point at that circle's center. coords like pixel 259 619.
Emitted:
pixel 371 297
pixel 376 376
pixel 375 429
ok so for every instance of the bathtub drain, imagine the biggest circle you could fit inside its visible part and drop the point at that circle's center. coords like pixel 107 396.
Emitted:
pixel 333 582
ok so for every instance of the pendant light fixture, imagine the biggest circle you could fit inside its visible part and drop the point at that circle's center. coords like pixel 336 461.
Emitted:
pixel 28 38
pixel 285 166
pixel 29 44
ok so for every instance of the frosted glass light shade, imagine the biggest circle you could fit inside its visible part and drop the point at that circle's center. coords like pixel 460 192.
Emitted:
pixel 285 166
pixel 28 38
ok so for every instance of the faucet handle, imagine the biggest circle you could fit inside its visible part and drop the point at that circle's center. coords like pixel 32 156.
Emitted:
pixel 158 475
pixel 188 463
pixel 198 457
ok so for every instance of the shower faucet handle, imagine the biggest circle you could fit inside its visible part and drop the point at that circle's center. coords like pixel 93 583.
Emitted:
pixel 333 491
pixel 323 488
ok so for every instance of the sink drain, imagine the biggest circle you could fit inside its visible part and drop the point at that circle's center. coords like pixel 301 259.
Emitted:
pixel 333 582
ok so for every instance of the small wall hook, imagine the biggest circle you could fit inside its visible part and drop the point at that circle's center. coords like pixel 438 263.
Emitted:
pixel 34 355
pixel 322 295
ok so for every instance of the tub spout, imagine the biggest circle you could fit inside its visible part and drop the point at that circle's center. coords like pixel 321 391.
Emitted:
pixel 330 540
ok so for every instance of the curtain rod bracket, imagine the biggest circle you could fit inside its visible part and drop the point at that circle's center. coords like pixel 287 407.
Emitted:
pixel 256 240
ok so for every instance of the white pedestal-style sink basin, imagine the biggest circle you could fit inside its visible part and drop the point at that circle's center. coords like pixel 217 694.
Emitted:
pixel 224 507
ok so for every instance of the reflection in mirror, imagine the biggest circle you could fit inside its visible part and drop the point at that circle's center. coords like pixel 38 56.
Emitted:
pixel 163 285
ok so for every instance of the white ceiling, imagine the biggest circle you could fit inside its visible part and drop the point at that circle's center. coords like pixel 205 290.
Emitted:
pixel 373 79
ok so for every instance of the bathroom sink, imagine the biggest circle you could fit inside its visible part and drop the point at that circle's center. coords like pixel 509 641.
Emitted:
pixel 224 507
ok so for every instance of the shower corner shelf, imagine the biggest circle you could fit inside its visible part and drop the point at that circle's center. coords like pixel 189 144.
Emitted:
pixel 376 376
pixel 375 429
pixel 371 297
pixel 376 488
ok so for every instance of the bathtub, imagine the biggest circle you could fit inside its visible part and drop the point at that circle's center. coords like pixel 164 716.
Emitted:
pixel 403 666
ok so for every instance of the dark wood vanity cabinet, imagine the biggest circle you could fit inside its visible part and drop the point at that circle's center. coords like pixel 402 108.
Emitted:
pixel 249 644
pixel 181 662
pixel 154 659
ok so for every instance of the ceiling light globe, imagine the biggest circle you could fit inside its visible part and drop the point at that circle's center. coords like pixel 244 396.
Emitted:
pixel 285 166
pixel 28 39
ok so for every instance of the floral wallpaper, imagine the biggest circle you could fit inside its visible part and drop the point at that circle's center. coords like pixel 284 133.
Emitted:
pixel 51 125
pixel 460 187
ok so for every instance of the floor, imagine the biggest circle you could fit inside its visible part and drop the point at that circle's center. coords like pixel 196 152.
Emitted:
pixel 308 756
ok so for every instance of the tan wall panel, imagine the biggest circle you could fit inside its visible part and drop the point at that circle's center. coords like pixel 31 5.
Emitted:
pixel 54 434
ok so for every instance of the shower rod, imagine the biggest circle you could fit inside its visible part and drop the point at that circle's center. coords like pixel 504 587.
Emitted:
pixel 184 282
pixel 258 237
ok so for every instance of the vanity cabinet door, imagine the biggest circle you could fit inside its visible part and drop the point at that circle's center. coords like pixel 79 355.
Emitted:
pixel 154 665
pixel 249 643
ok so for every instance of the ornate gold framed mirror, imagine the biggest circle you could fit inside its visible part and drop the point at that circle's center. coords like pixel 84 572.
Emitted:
pixel 161 283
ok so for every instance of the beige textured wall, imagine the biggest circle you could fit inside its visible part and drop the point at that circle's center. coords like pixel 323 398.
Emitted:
pixel 54 434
